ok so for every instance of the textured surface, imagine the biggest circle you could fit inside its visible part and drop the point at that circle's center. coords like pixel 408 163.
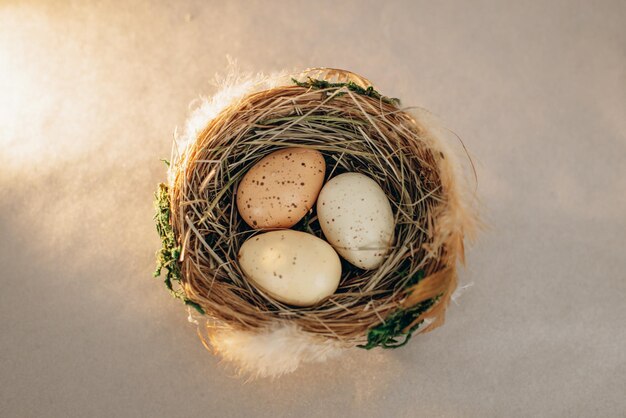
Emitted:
pixel 89 95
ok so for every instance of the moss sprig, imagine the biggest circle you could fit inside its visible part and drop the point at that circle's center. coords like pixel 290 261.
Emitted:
pixel 386 335
pixel 390 333
pixel 167 257
pixel 350 85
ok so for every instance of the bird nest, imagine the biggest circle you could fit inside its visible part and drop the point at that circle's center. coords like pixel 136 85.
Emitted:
pixel 357 129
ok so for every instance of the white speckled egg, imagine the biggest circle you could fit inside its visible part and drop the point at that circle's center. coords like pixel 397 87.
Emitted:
pixel 291 266
pixel 357 219
pixel 281 188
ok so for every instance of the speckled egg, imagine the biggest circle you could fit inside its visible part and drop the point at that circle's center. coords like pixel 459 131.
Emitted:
pixel 356 218
pixel 291 266
pixel 281 188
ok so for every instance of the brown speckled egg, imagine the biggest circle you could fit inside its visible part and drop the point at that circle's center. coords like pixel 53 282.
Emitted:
pixel 281 188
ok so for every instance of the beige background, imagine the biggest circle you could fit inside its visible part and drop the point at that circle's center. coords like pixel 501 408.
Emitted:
pixel 89 97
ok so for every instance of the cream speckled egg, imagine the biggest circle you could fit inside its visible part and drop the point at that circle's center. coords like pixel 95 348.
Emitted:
pixel 291 266
pixel 356 218
pixel 281 188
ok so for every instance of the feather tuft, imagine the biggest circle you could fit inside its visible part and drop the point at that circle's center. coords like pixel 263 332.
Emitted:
pixel 278 350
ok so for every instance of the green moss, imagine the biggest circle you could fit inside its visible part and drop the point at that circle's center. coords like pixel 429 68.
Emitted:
pixel 415 279
pixel 350 85
pixel 390 333
pixel 169 254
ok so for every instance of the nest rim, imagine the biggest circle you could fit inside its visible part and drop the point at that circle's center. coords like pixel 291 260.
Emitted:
pixel 214 281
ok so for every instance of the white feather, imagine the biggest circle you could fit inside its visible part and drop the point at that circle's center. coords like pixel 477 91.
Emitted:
pixel 279 350
pixel 232 87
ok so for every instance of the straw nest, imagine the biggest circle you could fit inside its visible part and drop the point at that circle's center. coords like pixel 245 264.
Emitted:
pixel 356 129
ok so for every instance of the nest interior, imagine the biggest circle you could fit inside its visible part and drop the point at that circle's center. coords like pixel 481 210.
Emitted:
pixel 356 129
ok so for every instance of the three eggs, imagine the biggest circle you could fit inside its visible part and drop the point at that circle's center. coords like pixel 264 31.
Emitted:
pixel 295 267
